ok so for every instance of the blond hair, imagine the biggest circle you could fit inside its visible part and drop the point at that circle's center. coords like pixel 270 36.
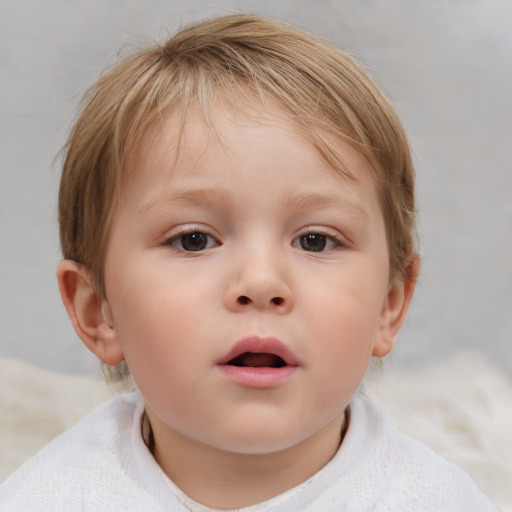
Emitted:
pixel 319 86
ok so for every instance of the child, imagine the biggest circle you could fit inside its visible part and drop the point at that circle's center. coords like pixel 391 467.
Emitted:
pixel 237 223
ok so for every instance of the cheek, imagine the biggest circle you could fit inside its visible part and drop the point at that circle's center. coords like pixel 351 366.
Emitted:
pixel 347 305
pixel 344 325
pixel 154 317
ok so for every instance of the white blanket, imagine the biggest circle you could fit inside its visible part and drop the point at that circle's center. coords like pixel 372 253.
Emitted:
pixel 460 407
pixel 103 464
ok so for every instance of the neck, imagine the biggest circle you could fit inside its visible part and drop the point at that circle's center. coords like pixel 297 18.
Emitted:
pixel 228 480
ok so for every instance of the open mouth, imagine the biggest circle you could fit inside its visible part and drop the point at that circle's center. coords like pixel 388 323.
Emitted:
pixel 257 360
pixel 259 363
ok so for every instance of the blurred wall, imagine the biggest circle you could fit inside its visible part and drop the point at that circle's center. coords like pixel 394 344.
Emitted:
pixel 446 64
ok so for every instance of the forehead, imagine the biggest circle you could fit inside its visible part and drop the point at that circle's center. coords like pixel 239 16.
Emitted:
pixel 244 174
pixel 193 128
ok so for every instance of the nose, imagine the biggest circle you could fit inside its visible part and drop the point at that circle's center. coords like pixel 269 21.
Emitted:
pixel 259 281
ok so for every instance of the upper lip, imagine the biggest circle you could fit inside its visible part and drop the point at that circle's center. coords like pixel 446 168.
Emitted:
pixel 260 345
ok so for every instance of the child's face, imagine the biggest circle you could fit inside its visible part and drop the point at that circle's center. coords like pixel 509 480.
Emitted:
pixel 248 242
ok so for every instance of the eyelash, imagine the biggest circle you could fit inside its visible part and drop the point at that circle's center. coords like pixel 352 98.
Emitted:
pixel 337 242
pixel 333 242
pixel 181 232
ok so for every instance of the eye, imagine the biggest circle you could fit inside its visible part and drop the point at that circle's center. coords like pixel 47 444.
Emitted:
pixel 316 242
pixel 192 241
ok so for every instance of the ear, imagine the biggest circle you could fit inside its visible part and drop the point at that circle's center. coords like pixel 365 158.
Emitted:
pixel 89 313
pixel 396 305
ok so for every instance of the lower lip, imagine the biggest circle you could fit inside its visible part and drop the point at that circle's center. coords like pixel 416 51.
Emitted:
pixel 260 378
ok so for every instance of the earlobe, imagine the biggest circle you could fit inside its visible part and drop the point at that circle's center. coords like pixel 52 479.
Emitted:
pixel 396 305
pixel 89 313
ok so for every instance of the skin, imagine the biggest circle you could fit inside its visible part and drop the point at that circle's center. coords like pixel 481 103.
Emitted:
pixel 251 196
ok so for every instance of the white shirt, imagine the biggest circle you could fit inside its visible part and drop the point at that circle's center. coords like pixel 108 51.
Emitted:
pixel 102 464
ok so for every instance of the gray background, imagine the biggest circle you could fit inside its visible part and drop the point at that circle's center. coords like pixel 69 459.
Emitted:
pixel 446 64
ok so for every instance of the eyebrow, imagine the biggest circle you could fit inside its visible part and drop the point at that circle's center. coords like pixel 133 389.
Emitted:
pixel 202 196
pixel 215 196
pixel 305 201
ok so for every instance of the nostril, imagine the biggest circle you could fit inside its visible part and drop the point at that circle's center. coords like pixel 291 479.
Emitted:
pixel 243 300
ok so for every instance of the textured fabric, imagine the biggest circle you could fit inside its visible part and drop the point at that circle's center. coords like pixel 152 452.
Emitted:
pixel 102 464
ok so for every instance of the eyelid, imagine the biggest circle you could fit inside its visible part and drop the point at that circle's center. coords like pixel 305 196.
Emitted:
pixel 176 233
pixel 333 235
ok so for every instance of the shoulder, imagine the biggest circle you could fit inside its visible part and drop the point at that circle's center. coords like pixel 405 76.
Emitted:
pixel 82 468
pixel 406 474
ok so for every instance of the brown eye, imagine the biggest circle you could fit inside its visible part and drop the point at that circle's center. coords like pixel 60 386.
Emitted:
pixel 313 242
pixel 316 242
pixel 193 241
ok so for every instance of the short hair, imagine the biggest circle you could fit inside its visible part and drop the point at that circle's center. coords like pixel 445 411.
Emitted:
pixel 316 84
